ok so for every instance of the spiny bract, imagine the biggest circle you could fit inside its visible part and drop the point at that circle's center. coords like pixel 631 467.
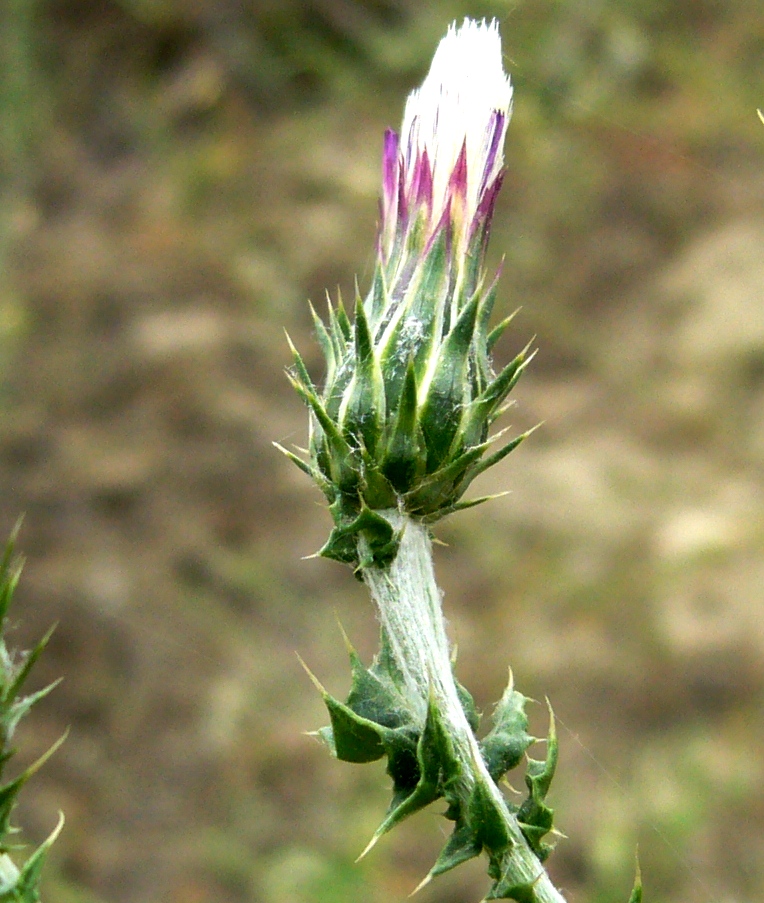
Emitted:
pixel 410 394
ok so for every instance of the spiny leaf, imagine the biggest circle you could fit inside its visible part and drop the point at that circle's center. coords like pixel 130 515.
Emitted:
pixel 501 405
pixel 17 886
pixel 385 664
pixel 402 762
pixel 340 547
pixel 28 662
pixel 520 892
pixel 438 768
pixel 376 490
pixel 364 342
pixel 427 304
pixel 468 704
pixel 380 542
pixel 462 845
pixel 534 816
pixel 504 746
pixel 487 302
pixel 487 818
pixel 374 697
pixel 341 456
pixel 356 739
pixel 340 446
pixel 353 738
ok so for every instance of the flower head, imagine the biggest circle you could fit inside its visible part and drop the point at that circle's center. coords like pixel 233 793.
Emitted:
pixel 410 393
pixel 444 170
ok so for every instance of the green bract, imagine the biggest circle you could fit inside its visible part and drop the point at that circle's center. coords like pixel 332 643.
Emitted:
pixel 403 421
pixel 410 394
pixel 409 399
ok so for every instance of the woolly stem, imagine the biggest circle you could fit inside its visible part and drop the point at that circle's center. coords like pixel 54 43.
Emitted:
pixel 409 604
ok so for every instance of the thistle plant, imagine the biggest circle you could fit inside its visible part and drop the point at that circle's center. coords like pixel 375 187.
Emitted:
pixel 17 885
pixel 399 431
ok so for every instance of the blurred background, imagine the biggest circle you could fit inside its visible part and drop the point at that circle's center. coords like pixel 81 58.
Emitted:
pixel 177 178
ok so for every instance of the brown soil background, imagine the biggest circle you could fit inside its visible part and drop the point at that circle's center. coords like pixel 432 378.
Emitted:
pixel 178 178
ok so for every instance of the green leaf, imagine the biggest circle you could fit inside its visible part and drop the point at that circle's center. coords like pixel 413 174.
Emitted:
pixel 461 506
pixel 385 666
pixel 373 696
pixel 380 541
pixel 340 547
pixel 508 889
pixel 339 344
pixel 504 746
pixel 402 761
pixel 429 298
pixel 376 490
pixel 487 819
pixel 482 372
pixel 462 845
pixel 468 706
pixel 355 739
pixel 17 886
pixel 487 302
pixel 534 816
pixel 350 524
pixel 438 770
pixel 323 484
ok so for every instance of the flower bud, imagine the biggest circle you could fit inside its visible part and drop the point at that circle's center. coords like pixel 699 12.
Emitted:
pixel 410 394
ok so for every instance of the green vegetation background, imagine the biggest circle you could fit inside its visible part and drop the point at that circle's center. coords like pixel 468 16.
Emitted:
pixel 177 179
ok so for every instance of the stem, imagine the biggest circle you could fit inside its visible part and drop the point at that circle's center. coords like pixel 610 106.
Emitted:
pixel 409 604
